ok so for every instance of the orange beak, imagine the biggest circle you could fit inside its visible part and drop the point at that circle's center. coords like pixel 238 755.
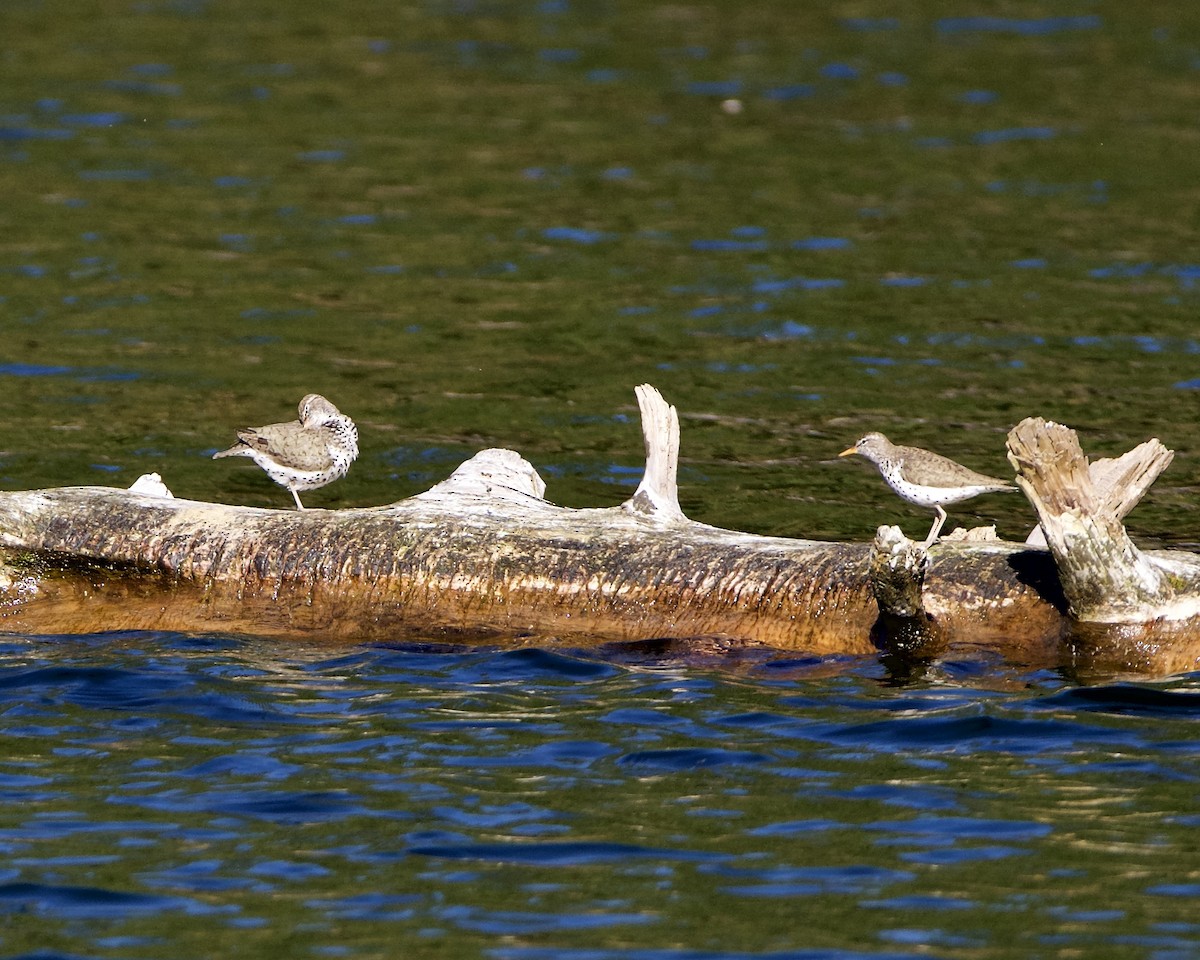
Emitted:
pixel 846 453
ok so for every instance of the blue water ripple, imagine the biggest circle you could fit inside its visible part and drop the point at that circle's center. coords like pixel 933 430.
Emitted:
pixel 791 91
pixel 559 55
pixel 725 245
pixel 978 733
pixel 147 87
pixel 919 902
pixel 536 663
pixel 32 370
pixel 275 806
pixel 576 235
pixel 287 870
pixel 1029 27
pixel 715 88
pixel 822 243
pixel 369 906
pixel 1125 699
pixel 953 856
pixel 806 881
pixel 954 828
pixel 92 903
pixel 513 923
pixel 839 71
pixel 795 828
pixel 691 758
pixel 989 137
pixel 555 853
pixel 11 134
pixel 109 119
pixel 322 156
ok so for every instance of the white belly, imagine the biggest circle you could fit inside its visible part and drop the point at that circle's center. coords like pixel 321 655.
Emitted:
pixel 930 497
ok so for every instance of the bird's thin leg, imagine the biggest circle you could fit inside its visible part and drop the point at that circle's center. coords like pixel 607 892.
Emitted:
pixel 299 505
pixel 936 528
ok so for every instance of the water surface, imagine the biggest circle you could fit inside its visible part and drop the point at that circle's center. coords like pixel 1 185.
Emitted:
pixel 204 796
pixel 482 223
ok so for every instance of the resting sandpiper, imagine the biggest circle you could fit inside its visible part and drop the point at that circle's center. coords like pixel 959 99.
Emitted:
pixel 304 454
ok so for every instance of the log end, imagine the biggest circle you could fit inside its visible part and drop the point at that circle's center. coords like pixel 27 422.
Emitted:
pixel 1105 578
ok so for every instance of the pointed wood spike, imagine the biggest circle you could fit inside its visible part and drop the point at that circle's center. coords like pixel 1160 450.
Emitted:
pixel 657 495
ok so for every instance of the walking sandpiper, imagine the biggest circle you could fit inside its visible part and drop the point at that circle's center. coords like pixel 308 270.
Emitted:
pixel 925 478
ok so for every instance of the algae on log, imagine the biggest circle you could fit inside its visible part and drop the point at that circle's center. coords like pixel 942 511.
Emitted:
pixel 483 556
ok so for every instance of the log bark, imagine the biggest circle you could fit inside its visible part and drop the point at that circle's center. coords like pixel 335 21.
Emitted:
pixel 484 557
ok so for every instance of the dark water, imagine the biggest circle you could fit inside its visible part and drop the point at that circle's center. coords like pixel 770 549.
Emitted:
pixel 482 223
pixel 200 797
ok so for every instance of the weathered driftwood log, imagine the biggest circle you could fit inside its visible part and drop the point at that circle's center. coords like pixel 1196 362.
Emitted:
pixel 483 556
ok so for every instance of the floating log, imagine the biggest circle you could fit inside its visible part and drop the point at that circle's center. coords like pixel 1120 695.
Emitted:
pixel 484 557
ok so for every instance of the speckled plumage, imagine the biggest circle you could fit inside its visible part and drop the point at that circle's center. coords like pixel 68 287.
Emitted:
pixel 925 478
pixel 304 454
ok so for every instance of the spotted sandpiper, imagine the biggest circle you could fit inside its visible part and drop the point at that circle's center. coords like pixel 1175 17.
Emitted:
pixel 925 478
pixel 304 454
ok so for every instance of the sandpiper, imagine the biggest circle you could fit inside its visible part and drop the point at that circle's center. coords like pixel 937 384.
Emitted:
pixel 925 478
pixel 304 454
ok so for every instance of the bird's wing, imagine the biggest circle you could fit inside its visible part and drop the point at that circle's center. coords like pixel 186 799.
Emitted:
pixel 934 470
pixel 289 443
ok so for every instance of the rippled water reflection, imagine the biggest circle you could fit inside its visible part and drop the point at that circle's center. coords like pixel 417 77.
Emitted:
pixel 481 223
pixel 201 796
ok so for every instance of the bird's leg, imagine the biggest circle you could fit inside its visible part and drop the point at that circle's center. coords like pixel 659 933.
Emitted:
pixel 299 505
pixel 936 528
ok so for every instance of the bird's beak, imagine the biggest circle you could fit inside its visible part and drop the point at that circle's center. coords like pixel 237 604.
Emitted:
pixel 846 453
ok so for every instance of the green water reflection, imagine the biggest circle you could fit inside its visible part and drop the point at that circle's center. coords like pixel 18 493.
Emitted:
pixel 477 224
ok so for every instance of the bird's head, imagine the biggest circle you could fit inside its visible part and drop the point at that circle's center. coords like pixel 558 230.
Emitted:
pixel 873 446
pixel 316 410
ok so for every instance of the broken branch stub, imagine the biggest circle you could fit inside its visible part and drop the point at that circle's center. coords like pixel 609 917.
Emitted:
pixel 657 496
pixel 897 571
pixel 1104 576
